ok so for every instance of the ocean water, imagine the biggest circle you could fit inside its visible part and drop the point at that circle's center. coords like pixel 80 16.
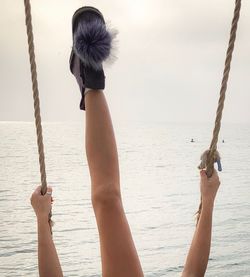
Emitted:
pixel 159 179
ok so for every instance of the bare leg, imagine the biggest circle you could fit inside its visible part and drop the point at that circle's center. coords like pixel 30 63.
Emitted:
pixel 119 256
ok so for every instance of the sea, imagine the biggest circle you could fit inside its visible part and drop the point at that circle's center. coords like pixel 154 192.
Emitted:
pixel 160 190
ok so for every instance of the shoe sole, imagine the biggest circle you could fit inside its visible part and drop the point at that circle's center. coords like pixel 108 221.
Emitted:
pixel 81 11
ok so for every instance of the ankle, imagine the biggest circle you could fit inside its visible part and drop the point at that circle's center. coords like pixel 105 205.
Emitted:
pixel 94 79
pixel 87 90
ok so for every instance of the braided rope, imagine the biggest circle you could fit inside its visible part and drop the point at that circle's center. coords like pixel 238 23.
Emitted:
pixel 213 146
pixel 39 133
pixel 28 21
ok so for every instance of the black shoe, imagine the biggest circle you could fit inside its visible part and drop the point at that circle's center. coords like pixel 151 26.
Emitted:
pixel 91 46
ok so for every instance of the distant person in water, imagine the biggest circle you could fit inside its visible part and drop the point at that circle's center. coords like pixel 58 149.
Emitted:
pixel 192 140
pixel 118 252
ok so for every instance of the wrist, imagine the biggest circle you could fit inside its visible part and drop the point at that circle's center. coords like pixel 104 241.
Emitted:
pixel 207 203
pixel 43 218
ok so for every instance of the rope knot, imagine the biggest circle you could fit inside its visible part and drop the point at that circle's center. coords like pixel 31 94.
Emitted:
pixel 207 160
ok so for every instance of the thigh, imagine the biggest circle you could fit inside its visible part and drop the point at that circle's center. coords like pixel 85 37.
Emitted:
pixel 118 252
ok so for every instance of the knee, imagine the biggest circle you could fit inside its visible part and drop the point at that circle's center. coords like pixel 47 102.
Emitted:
pixel 105 195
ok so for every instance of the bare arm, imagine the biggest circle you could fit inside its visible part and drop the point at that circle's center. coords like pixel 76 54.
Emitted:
pixel 49 265
pixel 197 259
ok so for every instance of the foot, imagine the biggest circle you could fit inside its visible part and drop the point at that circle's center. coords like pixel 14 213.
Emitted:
pixel 91 46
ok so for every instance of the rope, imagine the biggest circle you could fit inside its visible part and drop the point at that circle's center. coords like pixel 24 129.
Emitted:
pixel 39 133
pixel 211 156
pixel 28 21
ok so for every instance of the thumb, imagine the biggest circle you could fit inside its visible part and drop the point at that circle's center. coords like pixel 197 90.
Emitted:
pixel 203 175
pixel 38 190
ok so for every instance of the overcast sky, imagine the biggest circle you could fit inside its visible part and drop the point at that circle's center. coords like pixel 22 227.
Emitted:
pixel 170 60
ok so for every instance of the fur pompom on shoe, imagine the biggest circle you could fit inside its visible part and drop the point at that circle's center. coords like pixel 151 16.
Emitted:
pixel 93 42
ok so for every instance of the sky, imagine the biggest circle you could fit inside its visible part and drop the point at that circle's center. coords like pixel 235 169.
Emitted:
pixel 170 59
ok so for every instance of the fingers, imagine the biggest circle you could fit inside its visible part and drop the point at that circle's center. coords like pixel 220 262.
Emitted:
pixel 39 188
pixel 215 173
pixel 204 174
pixel 48 193
pixel 214 179
pixel 49 190
pixel 37 192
